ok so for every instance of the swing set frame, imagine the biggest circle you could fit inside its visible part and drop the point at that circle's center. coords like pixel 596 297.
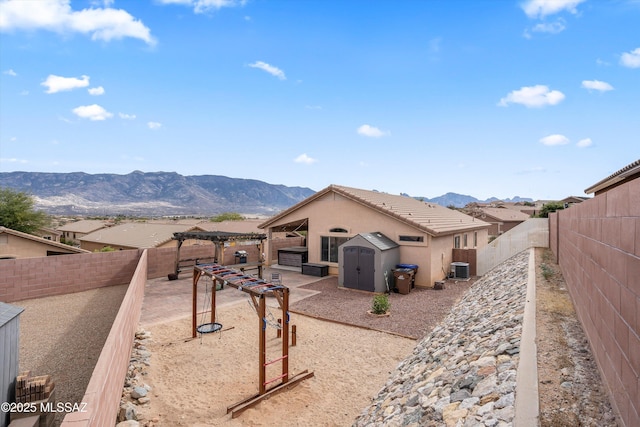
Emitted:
pixel 258 289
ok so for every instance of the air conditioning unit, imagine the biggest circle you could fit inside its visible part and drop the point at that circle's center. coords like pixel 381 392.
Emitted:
pixel 460 270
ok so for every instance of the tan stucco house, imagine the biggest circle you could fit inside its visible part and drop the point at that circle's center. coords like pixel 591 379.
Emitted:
pixel 16 244
pixel 426 233
pixel 73 231
pixel 501 219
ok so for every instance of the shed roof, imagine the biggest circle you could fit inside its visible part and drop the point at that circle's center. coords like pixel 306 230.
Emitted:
pixel 8 312
pixel 137 234
pixel 379 240
pixel 427 217
pixel 47 242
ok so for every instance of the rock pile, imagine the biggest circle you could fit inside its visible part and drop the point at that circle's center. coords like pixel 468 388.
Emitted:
pixel 135 392
pixel 464 372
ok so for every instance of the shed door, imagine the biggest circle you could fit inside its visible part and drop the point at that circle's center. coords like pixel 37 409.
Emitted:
pixel 359 268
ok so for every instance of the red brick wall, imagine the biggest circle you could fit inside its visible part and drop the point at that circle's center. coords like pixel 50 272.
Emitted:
pixel 63 274
pixel 598 249
pixel 105 386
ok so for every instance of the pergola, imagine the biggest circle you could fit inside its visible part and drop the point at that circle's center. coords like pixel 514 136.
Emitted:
pixel 219 238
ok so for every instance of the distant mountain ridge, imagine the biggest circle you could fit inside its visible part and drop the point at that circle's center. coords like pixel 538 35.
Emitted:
pixel 169 193
pixel 151 193
pixel 460 200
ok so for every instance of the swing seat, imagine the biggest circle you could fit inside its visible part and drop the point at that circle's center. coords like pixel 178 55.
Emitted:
pixel 207 328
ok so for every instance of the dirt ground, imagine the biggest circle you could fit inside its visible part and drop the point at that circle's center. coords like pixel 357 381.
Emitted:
pixel 569 384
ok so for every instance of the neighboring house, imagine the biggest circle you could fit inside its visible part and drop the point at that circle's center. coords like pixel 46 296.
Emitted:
pixel 624 175
pixel 426 232
pixel 136 235
pixel 48 233
pixel 73 231
pixel 501 219
pixel 16 244
pixel 572 200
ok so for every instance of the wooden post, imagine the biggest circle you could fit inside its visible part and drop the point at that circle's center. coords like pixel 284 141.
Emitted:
pixel 279 332
pixel 285 335
pixel 177 263
pixel 293 335
pixel 263 343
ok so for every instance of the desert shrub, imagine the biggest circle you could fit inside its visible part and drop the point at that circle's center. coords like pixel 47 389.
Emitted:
pixel 380 304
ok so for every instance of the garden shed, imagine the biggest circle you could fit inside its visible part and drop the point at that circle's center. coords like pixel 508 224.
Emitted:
pixel 364 259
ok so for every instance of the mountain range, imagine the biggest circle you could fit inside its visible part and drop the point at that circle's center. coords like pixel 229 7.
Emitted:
pixel 167 193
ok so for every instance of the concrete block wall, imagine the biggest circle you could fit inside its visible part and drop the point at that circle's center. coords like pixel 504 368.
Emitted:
pixel 598 249
pixel 63 274
pixel 105 386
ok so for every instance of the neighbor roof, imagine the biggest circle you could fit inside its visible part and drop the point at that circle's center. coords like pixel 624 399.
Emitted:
pixel 428 217
pixel 505 214
pixel 630 171
pixel 40 240
pixel 136 234
pixel 83 226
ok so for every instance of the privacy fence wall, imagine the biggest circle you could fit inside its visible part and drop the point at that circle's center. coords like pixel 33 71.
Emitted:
pixel 597 244
pixel 532 233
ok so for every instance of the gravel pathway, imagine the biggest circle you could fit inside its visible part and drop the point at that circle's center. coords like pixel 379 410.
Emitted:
pixel 412 315
pixel 62 336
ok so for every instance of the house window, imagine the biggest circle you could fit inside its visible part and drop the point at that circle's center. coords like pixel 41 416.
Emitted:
pixel 456 242
pixel 411 238
pixel 475 239
pixel 338 230
pixel 465 241
pixel 329 248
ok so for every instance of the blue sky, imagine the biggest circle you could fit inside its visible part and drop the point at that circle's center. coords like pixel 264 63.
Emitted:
pixel 496 98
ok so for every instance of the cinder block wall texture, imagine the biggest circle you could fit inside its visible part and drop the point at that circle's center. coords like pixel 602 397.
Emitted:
pixel 63 274
pixel 598 249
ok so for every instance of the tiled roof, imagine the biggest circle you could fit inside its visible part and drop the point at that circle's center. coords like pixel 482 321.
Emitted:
pixel 42 241
pixel 428 217
pixel 504 214
pixel 83 226
pixel 246 226
pixel 136 234
pixel 630 170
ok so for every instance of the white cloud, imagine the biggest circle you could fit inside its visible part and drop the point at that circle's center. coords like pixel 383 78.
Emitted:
pixel 57 16
pixel 92 112
pixel 555 139
pixel 586 142
pixel 12 160
pixel 203 6
pixel 542 8
pixel 10 72
pixel 631 59
pixel 596 85
pixel 154 125
pixel 126 116
pixel 532 97
pixel 274 71
pixel 59 84
pixel 96 91
pixel 371 131
pixel 303 158
pixel 549 27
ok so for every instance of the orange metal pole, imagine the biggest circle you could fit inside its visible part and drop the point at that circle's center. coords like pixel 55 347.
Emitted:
pixel 285 335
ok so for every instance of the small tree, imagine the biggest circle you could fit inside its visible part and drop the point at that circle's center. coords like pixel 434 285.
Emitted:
pixel 227 216
pixel 549 208
pixel 17 212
